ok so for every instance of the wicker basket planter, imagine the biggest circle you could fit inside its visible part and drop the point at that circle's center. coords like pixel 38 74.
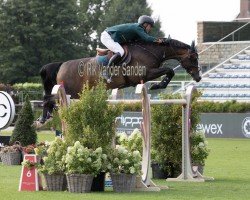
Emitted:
pixel 54 182
pixel 11 158
pixel 123 182
pixel 79 183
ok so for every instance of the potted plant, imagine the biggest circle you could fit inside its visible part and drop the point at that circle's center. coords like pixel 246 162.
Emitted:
pixel 167 134
pixel 11 155
pixel 29 149
pixel 53 166
pixel 41 149
pixel 92 122
pixel 199 150
pixel 82 164
pixel 125 166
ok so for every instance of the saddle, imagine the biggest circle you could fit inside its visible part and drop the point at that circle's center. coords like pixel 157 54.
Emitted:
pixel 103 56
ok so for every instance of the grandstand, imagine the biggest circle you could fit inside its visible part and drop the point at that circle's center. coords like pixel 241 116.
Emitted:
pixel 229 80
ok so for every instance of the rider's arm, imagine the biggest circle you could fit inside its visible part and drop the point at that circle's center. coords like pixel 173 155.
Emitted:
pixel 144 36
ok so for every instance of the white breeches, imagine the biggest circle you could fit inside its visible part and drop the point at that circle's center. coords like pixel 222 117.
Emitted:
pixel 111 44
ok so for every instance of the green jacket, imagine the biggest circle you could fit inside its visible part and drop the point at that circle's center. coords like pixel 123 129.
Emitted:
pixel 129 32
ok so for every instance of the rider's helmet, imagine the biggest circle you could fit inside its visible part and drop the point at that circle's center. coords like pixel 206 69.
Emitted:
pixel 146 19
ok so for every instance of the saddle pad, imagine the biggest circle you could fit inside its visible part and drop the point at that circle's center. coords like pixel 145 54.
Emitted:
pixel 102 60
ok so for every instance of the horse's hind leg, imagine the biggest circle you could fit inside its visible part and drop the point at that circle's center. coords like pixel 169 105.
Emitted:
pixel 155 73
pixel 48 74
pixel 48 106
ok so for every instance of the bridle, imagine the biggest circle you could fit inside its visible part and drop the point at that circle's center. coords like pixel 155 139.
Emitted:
pixel 182 59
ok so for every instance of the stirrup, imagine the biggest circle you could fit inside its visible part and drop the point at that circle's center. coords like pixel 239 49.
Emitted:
pixel 107 78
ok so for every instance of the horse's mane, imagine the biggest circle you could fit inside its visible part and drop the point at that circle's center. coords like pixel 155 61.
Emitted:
pixel 176 43
pixel 171 42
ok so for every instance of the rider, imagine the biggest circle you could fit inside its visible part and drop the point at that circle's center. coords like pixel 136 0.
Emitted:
pixel 113 36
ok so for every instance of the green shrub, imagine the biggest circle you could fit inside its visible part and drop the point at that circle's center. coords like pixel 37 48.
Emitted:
pixel 199 150
pixel 24 131
pixel 28 86
pixel 167 134
pixel 34 90
pixel 225 107
pixel 91 120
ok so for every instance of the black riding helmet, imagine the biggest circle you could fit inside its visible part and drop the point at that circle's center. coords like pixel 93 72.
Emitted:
pixel 146 19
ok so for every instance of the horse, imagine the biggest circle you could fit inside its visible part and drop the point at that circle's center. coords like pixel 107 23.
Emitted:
pixel 146 58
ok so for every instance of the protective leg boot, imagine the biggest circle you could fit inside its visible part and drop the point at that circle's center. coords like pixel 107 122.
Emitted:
pixel 169 75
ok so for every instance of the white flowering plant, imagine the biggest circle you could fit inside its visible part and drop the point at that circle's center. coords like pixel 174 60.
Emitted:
pixel 199 148
pixel 54 162
pixel 132 142
pixel 81 160
pixel 125 161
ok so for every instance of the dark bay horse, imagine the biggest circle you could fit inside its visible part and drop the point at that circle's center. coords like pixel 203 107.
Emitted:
pixel 145 65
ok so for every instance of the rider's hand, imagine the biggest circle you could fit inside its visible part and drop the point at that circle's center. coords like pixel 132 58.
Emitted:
pixel 159 40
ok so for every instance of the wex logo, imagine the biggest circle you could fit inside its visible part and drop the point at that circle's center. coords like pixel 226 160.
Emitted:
pixel 210 128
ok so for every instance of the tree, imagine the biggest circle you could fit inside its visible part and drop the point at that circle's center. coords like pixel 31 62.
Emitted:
pixel 119 12
pixel 34 33
pixel 24 131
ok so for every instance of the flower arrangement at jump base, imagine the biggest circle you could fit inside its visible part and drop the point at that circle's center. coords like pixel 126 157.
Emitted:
pixel 53 167
pixel 132 142
pixel 82 164
pixel 199 150
pixel 11 155
pixel 125 165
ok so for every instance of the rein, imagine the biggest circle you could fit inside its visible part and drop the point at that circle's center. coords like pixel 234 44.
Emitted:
pixel 152 53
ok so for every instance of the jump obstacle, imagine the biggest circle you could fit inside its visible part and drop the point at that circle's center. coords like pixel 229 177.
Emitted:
pixel 189 173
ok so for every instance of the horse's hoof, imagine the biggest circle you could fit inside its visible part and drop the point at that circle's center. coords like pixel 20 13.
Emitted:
pixel 155 87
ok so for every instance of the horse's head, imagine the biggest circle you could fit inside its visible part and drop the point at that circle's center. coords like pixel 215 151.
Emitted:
pixel 190 63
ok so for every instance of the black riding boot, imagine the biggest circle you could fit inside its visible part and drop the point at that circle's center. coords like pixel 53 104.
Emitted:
pixel 113 60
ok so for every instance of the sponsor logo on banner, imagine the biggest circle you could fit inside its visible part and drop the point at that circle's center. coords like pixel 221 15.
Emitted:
pixel 210 128
pixel 246 127
pixel 129 121
pixel 7 110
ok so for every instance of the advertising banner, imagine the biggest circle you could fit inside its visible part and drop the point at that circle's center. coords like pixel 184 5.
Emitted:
pixel 214 125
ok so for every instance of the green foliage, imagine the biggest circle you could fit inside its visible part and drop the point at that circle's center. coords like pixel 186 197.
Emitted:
pixel 53 162
pixel 132 107
pixel 34 90
pixel 228 106
pixel 232 106
pixel 81 160
pixel 199 149
pixel 91 120
pixel 24 131
pixel 125 161
pixel 28 87
pixel 34 33
pixel 167 134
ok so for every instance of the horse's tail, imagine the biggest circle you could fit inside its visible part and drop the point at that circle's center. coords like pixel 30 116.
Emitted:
pixel 48 74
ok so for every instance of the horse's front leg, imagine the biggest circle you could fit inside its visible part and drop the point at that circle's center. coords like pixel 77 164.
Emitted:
pixel 156 73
